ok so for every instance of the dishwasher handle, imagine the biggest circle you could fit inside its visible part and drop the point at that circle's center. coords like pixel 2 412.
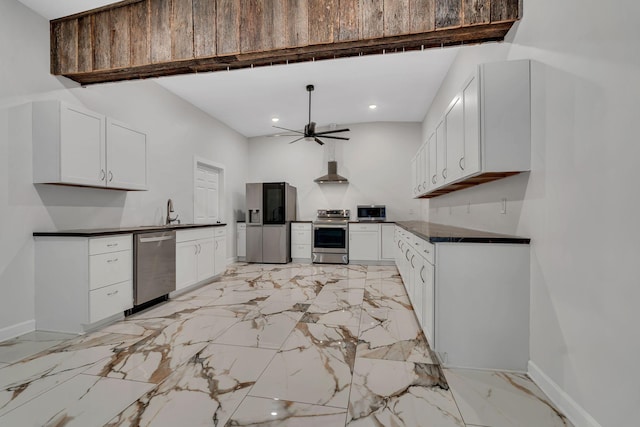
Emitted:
pixel 155 239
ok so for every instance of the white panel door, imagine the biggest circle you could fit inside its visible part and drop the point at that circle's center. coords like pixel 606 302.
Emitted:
pixel 428 308
pixel 471 161
pixel 387 242
pixel 186 264
pixel 126 157
pixel 364 245
pixel 441 154
pixel 220 255
pixel 82 155
pixel 206 263
pixel 207 195
pixel 432 159
pixel 455 139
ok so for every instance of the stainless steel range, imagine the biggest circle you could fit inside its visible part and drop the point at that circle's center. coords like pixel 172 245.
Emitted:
pixel 331 236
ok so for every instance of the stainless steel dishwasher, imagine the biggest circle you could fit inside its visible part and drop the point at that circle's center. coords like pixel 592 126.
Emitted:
pixel 154 267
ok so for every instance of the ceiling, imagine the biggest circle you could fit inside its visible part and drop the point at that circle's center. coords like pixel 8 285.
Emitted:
pixel 402 85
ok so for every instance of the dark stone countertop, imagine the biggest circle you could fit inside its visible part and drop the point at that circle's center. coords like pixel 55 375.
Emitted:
pixel 96 232
pixel 439 233
pixel 372 222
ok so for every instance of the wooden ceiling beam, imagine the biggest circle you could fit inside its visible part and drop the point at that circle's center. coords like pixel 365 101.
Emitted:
pixel 137 39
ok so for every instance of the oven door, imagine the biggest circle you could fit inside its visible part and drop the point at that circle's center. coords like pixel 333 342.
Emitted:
pixel 329 238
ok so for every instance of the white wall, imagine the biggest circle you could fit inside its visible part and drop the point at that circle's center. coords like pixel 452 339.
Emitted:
pixel 177 132
pixel 375 161
pixel 580 201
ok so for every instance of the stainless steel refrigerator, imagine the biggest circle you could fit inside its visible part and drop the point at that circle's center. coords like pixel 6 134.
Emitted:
pixel 271 206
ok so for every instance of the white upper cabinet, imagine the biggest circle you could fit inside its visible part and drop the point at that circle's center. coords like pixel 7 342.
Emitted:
pixel 126 157
pixel 75 146
pixel 485 133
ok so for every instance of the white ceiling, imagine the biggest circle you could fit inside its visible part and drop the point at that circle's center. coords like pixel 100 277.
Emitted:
pixel 402 85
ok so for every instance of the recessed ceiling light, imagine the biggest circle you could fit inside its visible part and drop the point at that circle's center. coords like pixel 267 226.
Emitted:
pixel 275 119
pixel 274 413
pixel 373 106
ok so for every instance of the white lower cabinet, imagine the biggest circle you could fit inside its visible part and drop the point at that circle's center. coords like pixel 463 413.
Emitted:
pixel 387 241
pixel 81 282
pixel 364 242
pixel 200 255
pixel 471 299
pixel 241 241
pixel 301 241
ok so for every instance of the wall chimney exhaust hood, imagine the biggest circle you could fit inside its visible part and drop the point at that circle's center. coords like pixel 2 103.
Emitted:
pixel 332 177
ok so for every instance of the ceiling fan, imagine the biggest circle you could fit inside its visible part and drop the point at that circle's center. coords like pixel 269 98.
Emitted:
pixel 310 128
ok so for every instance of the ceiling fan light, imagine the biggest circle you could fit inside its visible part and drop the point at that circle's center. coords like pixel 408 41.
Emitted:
pixel 275 119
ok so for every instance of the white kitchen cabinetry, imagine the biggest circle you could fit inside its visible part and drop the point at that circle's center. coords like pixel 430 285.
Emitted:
pixel 364 242
pixel 195 256
pixel 471 299
pixel 301 241
pixel 220 250
pixel 82 282
pixel 241 241
pixel 387 242
pixel 75 146
pixel 485 133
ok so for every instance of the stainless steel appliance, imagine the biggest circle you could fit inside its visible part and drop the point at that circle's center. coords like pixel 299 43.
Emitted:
pixel 271 206
pixel 154 270
pixel 331 237
pixel 372 213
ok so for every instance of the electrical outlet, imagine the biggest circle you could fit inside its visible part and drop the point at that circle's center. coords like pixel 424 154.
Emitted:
pixel 503 206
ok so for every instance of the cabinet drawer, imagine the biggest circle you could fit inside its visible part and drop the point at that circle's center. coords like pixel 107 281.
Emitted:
pixel 219 231
pixel 300 237
pixel 110 300
pixel 425 249
pixel 301 226
pixel 103 245
pixel 364 227
pixel 241 226
pixel 194 234
pixel 110 268
pixel 301 251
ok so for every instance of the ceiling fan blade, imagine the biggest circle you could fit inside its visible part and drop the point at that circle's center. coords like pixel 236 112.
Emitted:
pixel 332 131
pixel 290 130
pixel 334 137
pixel 318 141
pixel 296 140
pixel 282 134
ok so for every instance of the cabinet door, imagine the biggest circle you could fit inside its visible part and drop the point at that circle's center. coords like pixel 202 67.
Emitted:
pixel 126 157
pixel 417 265
pixel 220 255
pixel 428 307
pixel 441 154
pixel 206 259
pixel 424 168
pixel 414 177
pixel 471 160
pixel 241 242
pixel 82 155
pixel 431 162
pixel 186 264
pixel 364 245
pixel 455 139
pixel 387 248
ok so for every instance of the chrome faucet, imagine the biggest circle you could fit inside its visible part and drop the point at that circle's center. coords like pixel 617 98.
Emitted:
pixel 169 211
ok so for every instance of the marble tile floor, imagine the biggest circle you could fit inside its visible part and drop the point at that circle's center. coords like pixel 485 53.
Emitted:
pixel 267 345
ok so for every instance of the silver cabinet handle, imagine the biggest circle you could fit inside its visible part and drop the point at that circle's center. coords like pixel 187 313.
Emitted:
pixel 112 293
pixel 216 244
pixel 433 179
pixel 112 260
pixel 427 251
pixel 111 245
pixel 110 176
pixel 444 173
pixel 421 276
pixel 406 255
pixel 412 257
pixel 424 184
pixel 196 248
pixel 103 175
pixel 460 163
pixel 419 187
pixel 155 239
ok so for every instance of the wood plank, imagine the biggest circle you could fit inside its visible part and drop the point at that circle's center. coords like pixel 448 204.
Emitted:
pixel 120 37
pixel 448 13
pixel 102 41
pixel 422 15
pixel 324 24
pixel 505 10
pixel 251 22
pixel 372 21
pixel 396 17
pixel 85 44
pixel 477 12
pixel 349 16
pixel 160 31
pixel 278 29
pixel 181 29
pixel 139 29
pixel 297 25
pixel 228 26
pixel 204 28
pixel 62 47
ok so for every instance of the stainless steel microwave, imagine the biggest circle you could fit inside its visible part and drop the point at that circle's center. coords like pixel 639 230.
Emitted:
pixel 372 213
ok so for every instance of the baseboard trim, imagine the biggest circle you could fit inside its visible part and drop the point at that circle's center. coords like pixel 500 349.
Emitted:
pixel 17 330
pixel 569 407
